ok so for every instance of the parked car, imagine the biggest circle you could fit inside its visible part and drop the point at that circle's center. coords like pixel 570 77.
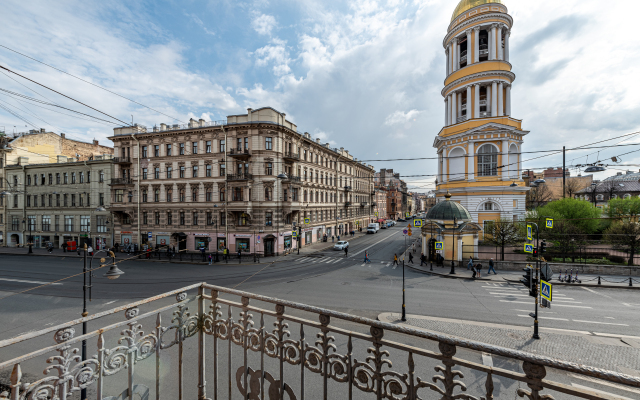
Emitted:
pixel 402 220
pixel 341 245
pixel 373 227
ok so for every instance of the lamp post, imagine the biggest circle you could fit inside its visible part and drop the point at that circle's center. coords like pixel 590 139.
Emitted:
pixel 279 211
pixel 594 187
pixel 29 239
pixel 113 273
pixel 453 254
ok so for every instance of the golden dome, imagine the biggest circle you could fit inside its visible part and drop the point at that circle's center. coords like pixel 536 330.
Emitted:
pixel 465 5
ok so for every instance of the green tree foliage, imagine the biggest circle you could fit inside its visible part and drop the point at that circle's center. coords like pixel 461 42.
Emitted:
pixel 504 232
pixel 581 214
pixel 566 240
pixel 625 236
pixel 624 207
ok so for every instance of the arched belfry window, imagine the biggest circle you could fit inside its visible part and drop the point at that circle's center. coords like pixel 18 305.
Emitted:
pixel 487 160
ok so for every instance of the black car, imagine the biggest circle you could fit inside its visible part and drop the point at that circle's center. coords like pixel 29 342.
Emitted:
pixel 402 220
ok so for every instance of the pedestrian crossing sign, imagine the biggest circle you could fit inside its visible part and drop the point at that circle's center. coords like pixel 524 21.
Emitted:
pixel 294 234
pixel 545 290
pixel 406 214
pixel 376 213
pixel 528 248
pixel 439 245
pixel 417 223
pixel 550 223
pixel 529 233
pixel 307 221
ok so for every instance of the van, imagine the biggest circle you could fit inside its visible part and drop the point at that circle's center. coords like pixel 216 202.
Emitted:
pixel 373 228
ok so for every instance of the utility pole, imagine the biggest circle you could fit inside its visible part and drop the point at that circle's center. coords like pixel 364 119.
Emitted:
pixel 564 175
pixel 404 314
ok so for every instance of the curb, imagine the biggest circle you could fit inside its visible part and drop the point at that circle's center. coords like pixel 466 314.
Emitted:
pixel 583 285
pixel 450 276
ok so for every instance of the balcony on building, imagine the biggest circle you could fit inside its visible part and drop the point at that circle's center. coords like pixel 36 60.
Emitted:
pixel 374 204
pixel 363 203
pixel 347 203
pixel 347 188
pixel 122 160
pixel 290 156
pixel 121 181
pixel 292 179
pixel 239 177
pixel 240 154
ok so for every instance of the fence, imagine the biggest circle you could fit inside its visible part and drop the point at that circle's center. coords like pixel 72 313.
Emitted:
pixel 233 346
pixel 592 253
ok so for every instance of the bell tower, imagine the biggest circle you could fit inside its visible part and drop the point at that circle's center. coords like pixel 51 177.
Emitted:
pixel 479 148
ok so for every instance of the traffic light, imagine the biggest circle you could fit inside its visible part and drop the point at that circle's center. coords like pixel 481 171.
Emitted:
pixel 527 278
pixel 535 252
pixel 546 273
pixel 543 246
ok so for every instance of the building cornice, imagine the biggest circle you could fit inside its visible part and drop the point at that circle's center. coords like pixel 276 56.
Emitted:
pixel 505 18
pixel 508 75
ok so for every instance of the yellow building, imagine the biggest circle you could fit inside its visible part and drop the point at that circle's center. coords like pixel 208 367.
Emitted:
pixel 480 144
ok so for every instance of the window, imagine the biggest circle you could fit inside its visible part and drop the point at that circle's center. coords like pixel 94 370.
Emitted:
pixel 81 197
pixel 144 151
pixel 209 195
pixel 31 222
pixel 168 150
pixel 222 192
pixel 182 197
pixel 194 147
pixel 181 149
pixel 101 199
pixel 119 195
pixel 28 179
pixel 169 172
pixel 182 169
pixel 50 200
pixel 88 176
pixel 223 170
pixel 208 146
pixel 222 146
pixel 223 218
pixel 208 170
pixel 294 194
pixel 194 221
pixel 101 223
pixel 486 226
pixel 487 160
pixel 73 200
pixel 156 195
pixel 29 201
pixel 15 223
pixel 169 218
pixel 268 169
pixel 237 194
pixel 50 180
pixel 195 171
pixel 268 145
pixel 156 173
pixel 145 220
pixel 209 218
pixel 144 173
pixel 169 195
pixel 46 223
pixel 181 218
pixel 267 194
pixel 268 218
pixel 488 206
pixel 156 150
pixel 194 195
pixel 101 176
pixel 144 196
pixel 57 178
pixel 85 223
pixel 68 223
pixel 157 218
pixel 246 143
pixel 243 219
pixel 81 177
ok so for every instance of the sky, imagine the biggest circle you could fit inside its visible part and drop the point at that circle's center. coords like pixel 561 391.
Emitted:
pixel 364 75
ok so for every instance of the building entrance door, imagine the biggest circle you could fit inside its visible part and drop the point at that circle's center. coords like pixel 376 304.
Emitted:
pixel 269 247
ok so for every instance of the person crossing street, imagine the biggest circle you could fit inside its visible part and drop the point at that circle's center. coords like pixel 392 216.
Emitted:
pixel 346 251
pixel 491 267
pixel 366 257
pixel 395 259
pixel 423 259
pixel 410 258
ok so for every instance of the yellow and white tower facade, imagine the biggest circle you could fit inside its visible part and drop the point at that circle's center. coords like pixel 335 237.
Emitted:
pixel 480 145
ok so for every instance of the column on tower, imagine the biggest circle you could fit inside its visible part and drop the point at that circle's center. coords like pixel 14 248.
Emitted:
pixel 471 161
pixel 506 45
pixel 468 32
pixel 440 165
pixel 494 99
pixel 446 66
pixel 505 160
pixel 454 111
pixel 446 111
pixel 469 102
pixel 508 100
pixel 476 103
pixel 445 164
pixel 456 55
pixel 452 56
pixel 459 104
pixel 500 100
pixel 492 40
pixel 499 41
pixel 488 89
pixel 476 45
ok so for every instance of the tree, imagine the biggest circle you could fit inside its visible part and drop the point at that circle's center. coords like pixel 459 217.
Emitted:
pixel 503 232
pixel 624 207
pixel 566 239
pixel 573 186
pixel 538 195
pixel 610 187
pixel 581 214
pixel 625 236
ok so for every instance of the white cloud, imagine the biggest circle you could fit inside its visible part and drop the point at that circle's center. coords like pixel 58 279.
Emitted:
pixel 401 117
pixel 198 21
pixel 276 54
pixel 264 24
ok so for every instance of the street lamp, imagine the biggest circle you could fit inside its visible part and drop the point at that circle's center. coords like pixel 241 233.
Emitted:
pixel 594 186
pixel 30 238
pixel 453 254
pixel 282 177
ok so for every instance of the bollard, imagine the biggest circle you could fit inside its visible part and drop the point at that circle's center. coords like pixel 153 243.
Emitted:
pixel 599 283
pixel 630 284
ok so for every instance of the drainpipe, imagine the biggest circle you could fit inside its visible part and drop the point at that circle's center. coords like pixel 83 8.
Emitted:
pixel 138 193
pixel 24 205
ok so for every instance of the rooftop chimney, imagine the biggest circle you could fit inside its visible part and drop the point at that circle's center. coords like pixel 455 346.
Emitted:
pixel 317 140
pixel 42 130
pixel 62 135
pixel 163 127
pixel 201 121
pixel 95 142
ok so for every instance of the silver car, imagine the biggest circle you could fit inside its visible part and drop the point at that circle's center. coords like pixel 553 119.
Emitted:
pixel 341 245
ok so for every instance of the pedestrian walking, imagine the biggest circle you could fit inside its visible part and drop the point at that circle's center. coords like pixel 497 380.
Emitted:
pixel 239 253
pixel 410 258
pixel 395 259
pixel 224 253
pixel 478 270
pixel 366 257
pixel 474 271
pixel 210 259
pixel 423 259
pixel 90 250
pixel 491 268
pixel 346 251
pixel 470 263
pixel 332 238
pixel 414 247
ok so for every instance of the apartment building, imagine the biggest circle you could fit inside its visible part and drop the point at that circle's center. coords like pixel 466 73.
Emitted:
pixel 380 204
pixel 247 182
pixel 59 202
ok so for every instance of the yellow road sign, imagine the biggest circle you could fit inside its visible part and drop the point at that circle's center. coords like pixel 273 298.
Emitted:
pixel 417 223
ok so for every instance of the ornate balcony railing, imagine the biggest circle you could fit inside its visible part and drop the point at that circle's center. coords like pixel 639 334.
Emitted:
pixel 121 181
pixel 122 160
pixel 237 344
pixel 239 177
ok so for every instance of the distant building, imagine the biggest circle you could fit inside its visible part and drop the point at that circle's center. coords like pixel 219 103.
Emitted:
pixel 619 186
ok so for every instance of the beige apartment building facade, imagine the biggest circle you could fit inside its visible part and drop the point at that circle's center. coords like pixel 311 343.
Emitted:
pixel 246 183
pixel 59 202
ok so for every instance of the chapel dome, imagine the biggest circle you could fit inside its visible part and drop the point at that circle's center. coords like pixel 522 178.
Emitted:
pixel 465 5
pixel 447 210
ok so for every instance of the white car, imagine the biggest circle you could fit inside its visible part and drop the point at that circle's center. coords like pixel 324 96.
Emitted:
pixel 341 245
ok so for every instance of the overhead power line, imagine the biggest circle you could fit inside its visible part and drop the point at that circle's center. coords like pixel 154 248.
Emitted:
pixel 92 84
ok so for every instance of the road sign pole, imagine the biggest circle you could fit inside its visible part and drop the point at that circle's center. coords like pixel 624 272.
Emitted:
pixel 404 315
pixel 535 322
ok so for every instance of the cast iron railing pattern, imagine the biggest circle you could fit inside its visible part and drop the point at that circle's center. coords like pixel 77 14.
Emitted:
pixel 217 323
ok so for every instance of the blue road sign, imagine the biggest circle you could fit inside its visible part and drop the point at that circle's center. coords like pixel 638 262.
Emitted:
pixel 550 223
pixel 294 234
pixel 150 235
pixel 528 248
pixel 545 290
pixel 417 223
pixel 404 231
pixel 439 245
pixel 529 234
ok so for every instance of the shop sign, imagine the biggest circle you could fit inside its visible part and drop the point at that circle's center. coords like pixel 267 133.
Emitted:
pixel 126 232
pixel 243 236
pixel 200 234
pixel 221 235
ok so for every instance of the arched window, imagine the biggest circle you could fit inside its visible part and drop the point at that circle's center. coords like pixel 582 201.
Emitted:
pixel 599 197
pixel 487 160
pixel 456 164
pixel 156 195
pixel 488 206
pixel 221 194
pixel 169 195
pixel 305 196
pixel 194 195
pixel 626 196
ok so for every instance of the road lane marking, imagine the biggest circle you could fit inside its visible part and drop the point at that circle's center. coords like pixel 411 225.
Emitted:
pixel 567 305
pixel 555 305
pixel 539 317
pixel 546 312
pixel 111 302
pixel 596 322
pixel 379 241
pixel 509 294
pixel 26 281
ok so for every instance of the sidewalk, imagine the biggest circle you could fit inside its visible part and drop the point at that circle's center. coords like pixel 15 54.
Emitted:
pixel 613 352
